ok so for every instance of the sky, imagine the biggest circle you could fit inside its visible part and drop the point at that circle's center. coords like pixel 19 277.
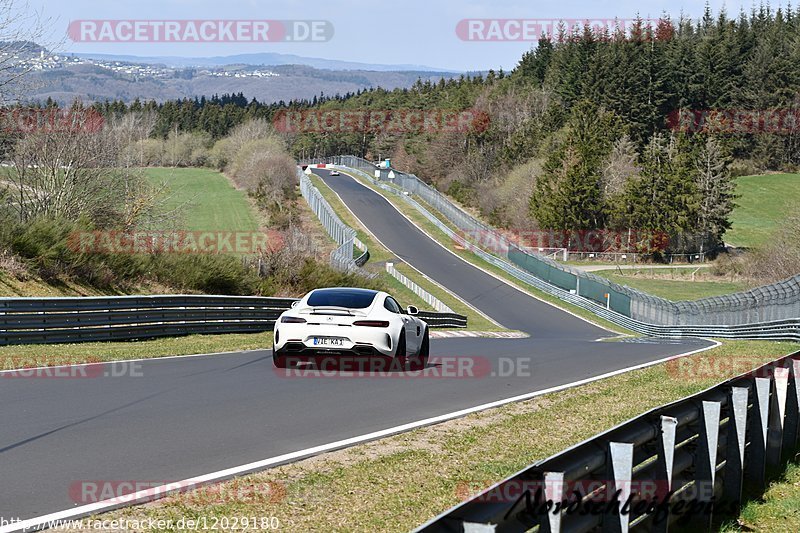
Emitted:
pixel 421 32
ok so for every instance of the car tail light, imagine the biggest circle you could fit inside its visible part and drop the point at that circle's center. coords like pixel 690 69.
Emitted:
pixel 292 320
pixel 372 323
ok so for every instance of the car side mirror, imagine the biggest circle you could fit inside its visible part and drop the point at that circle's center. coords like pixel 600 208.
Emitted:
pixel 294 303
pixel 411 310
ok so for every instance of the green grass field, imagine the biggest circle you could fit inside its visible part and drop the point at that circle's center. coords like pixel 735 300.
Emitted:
pixel 777 510
pixel 680 288
pixel 763 203
pixel 209 200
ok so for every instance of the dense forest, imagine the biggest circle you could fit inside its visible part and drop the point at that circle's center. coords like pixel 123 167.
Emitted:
pixel 581 134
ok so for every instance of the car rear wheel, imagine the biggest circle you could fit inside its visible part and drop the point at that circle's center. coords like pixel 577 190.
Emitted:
pixel 400 354
pixel 421 360
pixel 278 359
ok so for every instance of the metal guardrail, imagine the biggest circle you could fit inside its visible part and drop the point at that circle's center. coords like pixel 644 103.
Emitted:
pixel 429 298
pixel 778 301
pixel 119 318
pixel 443 320
pixel 681 465
pixel 116 318
pixel 362 259
pixel 783 329
pixel 342 257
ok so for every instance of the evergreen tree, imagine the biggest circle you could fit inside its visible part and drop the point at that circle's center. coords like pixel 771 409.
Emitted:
pixel 534 63
pixel 568 196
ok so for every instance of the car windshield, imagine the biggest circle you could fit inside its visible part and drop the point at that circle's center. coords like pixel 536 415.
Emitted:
pixel 350 298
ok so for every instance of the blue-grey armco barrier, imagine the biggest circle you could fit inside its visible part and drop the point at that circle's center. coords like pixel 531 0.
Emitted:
pixel 119 318
pixel 681 466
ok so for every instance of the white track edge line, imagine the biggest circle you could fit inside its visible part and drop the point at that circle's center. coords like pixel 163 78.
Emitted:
pixel 163 490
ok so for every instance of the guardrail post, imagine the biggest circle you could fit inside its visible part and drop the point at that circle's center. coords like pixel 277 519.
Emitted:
pixel 757 452
pixel 780 380
pixel 706 463
pixel 619 481
pixel 736 435
pixel 554 490
pixel 665 462
pixel 790 436
pixel 745 446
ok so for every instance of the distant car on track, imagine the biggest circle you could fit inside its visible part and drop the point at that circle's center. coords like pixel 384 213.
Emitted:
pixel 335 173
pixel 350 322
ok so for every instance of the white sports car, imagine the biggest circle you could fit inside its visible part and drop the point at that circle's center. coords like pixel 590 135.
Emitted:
pixel 350 322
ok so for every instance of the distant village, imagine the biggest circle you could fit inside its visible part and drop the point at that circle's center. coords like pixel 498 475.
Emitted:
pixel 42 61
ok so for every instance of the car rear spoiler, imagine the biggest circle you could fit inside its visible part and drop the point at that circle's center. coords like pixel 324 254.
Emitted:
pixel 332 310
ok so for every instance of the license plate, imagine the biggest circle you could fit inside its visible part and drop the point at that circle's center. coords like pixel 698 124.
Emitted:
pixel 329 342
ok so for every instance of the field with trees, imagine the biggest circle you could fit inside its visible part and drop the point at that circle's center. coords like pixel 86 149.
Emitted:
pixel 580 135
pixel 63 184
pixel 763 211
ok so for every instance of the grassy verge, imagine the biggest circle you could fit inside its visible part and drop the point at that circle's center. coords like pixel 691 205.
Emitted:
pixel 764 202
pixel 673 283
pixel 30 355
pixel 379 255
pixel 397 483
pixel 208 199
pixel 437 234
pixel 35 286
pixel 475 322
pixel 777 510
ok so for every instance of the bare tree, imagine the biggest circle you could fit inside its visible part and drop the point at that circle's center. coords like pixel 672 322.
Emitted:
pixel 175 149
pixel 62 174
pixel 142 203
pixel 620 167
pixel 79 169
pixel 128 132
pixel 267 173
pixel 225 151
pixel 280 263
pixel 716 189
pixel 505 198
pixel 20 28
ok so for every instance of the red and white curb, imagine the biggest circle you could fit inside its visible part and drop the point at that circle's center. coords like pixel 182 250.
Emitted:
pixel 478 334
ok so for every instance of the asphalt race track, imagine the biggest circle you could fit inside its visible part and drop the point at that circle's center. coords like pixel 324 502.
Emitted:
pixel 177 418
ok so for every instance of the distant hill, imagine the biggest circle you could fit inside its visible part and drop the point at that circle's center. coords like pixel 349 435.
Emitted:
pixel 267 77
pixel 261 59
pixel 93 83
